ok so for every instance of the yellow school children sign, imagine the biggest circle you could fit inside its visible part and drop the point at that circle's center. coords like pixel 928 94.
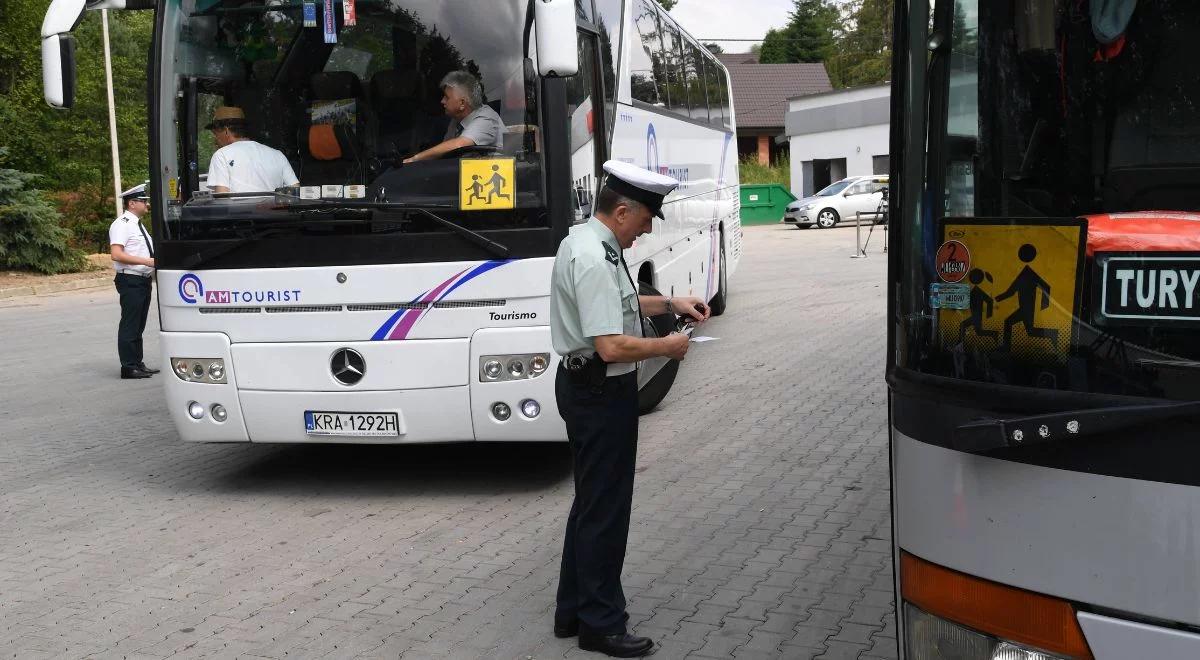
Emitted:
pixel 1022 281
pixel 487 184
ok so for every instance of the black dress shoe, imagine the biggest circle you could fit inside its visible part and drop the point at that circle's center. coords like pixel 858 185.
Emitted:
pixel 565 630
pixel 134 372
pixel 143 367
pixel 622 645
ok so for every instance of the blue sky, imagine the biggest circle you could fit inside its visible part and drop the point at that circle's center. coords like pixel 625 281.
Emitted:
pixel 745 19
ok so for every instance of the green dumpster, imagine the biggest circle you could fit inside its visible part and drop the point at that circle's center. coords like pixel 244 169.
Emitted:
pixel 764 203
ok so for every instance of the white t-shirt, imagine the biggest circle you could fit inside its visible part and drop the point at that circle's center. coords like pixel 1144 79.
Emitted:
pixel 247 166
pixel 127 232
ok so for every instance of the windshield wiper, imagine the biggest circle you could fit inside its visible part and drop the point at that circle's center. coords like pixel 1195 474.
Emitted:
pixel 988 434
pixel 206 256
pixel 497 249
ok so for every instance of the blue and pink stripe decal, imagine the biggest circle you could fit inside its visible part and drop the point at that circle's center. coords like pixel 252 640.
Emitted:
pixel 400 324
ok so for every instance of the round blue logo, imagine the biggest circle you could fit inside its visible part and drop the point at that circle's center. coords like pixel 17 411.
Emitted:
pixel 191 290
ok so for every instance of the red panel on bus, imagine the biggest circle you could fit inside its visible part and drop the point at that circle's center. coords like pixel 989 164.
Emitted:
pixel 1145 231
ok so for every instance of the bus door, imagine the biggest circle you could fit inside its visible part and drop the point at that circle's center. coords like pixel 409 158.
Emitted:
pixel 586 113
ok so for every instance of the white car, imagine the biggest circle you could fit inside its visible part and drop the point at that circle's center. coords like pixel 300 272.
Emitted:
pixel 839 202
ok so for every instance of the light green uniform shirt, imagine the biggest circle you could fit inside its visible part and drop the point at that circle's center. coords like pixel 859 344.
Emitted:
pixel 591 294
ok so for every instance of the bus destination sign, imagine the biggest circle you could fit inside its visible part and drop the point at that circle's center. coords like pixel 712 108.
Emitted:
pixel 1137 287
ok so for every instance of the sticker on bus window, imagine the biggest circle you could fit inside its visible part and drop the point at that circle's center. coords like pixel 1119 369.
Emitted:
pixel 487 184
pixel 1024 286
pixel 944 295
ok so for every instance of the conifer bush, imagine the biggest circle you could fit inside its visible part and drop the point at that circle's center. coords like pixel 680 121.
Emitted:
pixel 31 234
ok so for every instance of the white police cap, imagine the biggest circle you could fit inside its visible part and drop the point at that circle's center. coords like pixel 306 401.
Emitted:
pixel 136 192
pixel 640 185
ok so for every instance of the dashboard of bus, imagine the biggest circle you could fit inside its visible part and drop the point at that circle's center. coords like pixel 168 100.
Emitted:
pixel 338 97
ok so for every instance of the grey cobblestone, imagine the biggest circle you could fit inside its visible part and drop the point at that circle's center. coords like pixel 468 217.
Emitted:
pixel 760 523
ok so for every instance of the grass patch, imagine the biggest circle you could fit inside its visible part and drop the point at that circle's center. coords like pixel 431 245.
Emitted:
pixel 751 171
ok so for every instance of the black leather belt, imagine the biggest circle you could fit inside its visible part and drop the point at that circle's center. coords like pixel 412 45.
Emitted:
pixel 122 272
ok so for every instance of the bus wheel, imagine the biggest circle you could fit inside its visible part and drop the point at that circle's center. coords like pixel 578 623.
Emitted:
pixel 717 304
pixel 656 375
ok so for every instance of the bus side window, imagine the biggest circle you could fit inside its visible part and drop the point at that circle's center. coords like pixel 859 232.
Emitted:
pixel 673 62
pixel 645 67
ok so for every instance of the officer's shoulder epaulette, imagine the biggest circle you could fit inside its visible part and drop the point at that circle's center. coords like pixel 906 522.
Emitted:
pixel 610 254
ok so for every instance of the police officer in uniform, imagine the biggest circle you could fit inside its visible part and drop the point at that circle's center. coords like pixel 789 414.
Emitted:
pixel 595 323
pixel 132 253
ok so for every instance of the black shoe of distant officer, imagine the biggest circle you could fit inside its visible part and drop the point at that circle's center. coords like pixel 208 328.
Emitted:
pixel 143 367
pixel 565 630
pixel 622 645
pixel 134 372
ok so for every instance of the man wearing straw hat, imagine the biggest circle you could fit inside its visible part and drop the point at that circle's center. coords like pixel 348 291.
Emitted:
pixel 242 165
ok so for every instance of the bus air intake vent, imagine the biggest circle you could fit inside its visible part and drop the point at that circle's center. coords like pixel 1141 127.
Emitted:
pixel 446 304
pixel 231 310
pixel 308 309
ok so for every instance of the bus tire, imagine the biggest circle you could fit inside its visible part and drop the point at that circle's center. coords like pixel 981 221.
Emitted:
pixel 718 302
pixel 655 390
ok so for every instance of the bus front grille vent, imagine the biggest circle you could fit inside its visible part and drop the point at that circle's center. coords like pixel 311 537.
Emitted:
pixel 304 309
pixel 230 310
pixel 445 304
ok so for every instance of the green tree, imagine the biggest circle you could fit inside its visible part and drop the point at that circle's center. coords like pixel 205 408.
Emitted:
pixel 862 52
pixel 70 149
pixel 668 4
pixel 808 36
pixel 31 235
pixel 713 47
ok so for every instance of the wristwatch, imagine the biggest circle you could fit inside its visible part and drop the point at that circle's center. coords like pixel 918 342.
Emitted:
pixel 670 305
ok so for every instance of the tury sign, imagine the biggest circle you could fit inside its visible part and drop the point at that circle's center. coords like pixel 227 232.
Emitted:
pixel 1138 288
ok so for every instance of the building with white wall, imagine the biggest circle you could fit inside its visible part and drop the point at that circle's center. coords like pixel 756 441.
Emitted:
pixel 838 134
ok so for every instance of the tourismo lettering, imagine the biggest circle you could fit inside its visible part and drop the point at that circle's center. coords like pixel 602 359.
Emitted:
pixel 513 316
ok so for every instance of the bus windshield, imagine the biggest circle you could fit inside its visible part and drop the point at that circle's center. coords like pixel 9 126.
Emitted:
pixel 1058 241
pixel 336 96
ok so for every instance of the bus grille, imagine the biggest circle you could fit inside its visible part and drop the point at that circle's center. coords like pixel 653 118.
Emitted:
pixel 299 309
pixel 231 310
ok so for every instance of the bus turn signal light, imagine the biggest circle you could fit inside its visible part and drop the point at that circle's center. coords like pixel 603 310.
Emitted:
pixel 1007 613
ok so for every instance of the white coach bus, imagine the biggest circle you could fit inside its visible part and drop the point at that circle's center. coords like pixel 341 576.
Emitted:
pixel 386 302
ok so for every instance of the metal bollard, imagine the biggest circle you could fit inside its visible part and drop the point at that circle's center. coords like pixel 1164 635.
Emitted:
pixel 859 252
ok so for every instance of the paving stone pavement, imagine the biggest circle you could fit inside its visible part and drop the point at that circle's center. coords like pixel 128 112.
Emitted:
pixel 760 526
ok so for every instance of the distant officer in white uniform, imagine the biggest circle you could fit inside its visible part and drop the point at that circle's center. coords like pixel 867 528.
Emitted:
pixel 472 121
pixel 595 324
pixel 242 165
pixel 132 252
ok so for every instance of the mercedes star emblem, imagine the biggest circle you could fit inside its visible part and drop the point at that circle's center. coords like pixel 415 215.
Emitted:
pixel 348 366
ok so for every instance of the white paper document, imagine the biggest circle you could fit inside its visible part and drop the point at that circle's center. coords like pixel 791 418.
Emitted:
pixel 700 340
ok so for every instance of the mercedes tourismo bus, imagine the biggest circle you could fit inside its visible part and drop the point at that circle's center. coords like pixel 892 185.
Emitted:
pixel 391 302
pixel 1044 329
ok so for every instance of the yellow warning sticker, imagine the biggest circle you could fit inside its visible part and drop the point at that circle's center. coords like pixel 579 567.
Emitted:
pixel 1024 280
pixel 487 184
pixel 173 188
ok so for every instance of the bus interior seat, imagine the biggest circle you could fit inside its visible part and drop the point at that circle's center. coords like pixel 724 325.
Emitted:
pixel 394 96
pixel 331 146
pixel 1154 151
pixel 521 138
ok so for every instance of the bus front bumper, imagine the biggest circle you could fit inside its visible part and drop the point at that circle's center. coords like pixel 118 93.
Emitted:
pixel 433 387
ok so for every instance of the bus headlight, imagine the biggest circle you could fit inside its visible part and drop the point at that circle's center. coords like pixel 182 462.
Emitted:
pixel 492 369
pixel 218 412
pixel 195 410
pixel 954 616
pixel 530 408
pixel 199 370
pixel 503 368
pixel 501 411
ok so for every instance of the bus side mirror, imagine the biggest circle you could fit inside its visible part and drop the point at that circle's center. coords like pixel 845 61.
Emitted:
pixel 58 70
pixel 557 45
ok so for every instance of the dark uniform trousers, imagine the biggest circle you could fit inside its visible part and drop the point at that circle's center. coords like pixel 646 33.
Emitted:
pixel 602 428
pixel 135 308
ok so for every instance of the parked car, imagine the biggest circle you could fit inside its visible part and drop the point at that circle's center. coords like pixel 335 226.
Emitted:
pixel 838 202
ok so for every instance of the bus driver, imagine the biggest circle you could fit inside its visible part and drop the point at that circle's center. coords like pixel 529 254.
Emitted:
pixel 242 165
pixel 472 122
